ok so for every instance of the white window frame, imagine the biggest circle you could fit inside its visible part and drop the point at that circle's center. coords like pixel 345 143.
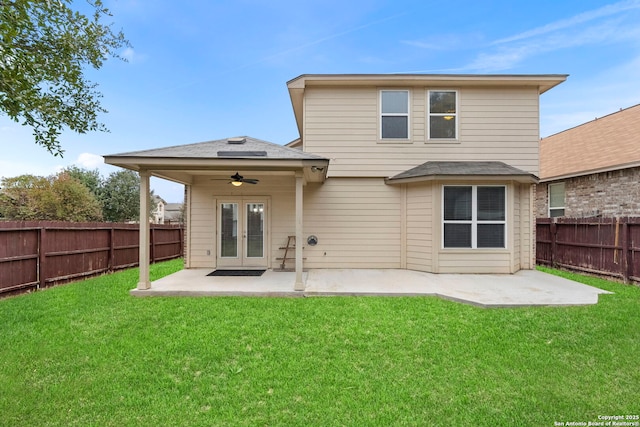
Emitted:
pixel 430 114
pixel 474 218
pixel 407 115
pixel 564 199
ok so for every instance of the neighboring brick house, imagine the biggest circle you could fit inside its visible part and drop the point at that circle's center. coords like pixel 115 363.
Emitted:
pixel 592 170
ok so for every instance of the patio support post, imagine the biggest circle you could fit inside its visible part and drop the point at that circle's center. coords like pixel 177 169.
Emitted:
pixel 299 285
pixel 143 282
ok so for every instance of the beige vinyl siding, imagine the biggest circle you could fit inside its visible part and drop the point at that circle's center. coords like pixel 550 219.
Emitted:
pixel 494 119
pixel 419 227
pixel 357 222
pixel 187 225
pixel 518 233
pixel 527 228
pixel 202 227
pixel 494 124
pixel 477 262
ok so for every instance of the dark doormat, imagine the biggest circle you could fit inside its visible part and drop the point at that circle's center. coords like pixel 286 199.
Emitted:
pixel 236 273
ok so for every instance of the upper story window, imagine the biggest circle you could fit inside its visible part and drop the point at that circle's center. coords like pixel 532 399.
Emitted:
pixel 443 114
pixel 394 114
pixel 474 216
pixel 556 200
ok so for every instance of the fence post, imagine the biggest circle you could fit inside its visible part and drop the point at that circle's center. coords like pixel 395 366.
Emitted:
pixel 153 245
pixel 625 250
pixel 112 244
pixel 42 254
pixel 552 233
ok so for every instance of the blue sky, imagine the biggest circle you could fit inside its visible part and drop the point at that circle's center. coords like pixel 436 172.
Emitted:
pixel 203 70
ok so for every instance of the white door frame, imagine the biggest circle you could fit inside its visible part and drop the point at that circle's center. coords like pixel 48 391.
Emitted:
pixel 241 257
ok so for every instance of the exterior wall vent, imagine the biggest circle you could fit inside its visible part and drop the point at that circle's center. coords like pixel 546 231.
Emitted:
pixel 236 140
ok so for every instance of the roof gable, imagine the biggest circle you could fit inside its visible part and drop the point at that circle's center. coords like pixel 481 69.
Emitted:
pixel 607 143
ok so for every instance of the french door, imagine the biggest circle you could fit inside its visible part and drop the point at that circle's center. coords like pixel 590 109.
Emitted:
pixel 242 233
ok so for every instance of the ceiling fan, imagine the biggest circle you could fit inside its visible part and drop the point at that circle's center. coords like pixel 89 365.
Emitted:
pixel 238 180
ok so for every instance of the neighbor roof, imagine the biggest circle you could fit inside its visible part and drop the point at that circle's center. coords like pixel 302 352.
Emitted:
pixel 449 170
pixel 607 143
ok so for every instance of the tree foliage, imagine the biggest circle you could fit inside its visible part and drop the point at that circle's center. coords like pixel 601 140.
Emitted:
pixel 121 196
pixel 44 48
pixel 19 195
pixel 59 197
pixel 89 178
pixel 74 194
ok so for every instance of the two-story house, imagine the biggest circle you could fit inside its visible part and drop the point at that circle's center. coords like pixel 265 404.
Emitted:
pixel 434 173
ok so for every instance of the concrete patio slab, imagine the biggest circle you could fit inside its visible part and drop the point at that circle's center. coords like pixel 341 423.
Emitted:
pixel 525 288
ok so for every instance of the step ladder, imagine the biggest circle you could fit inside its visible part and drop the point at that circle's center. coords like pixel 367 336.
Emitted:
pixel 290 247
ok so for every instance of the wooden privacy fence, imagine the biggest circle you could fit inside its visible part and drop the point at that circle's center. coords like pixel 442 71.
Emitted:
pixel 44 253
pixel 604 246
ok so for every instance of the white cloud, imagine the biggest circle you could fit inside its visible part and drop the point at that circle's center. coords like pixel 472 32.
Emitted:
pixel 446 42
pixel 132 56
pixel 509 52
pixel 94 161
pixel 90 161
pixel 608 10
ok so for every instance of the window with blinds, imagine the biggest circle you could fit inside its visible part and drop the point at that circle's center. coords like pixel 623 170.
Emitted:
pixel 474 216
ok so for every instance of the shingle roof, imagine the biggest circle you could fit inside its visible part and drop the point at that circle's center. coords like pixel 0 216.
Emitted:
pixel 608 143
pixel 229 148
pixel 432 169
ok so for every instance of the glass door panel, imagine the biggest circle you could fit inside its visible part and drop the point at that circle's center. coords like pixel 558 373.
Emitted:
pixel 229 230
pixel 254 230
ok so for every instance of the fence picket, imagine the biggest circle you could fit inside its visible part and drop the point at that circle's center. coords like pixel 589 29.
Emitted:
pixel 602 246
pixel 37 254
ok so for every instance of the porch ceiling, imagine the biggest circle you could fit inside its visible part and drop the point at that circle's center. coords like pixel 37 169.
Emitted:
pixel 185 174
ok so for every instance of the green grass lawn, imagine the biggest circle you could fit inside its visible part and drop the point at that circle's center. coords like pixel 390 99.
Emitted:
pixel 89 354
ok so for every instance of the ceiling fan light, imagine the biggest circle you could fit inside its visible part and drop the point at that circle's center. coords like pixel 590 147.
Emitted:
pixel 236 183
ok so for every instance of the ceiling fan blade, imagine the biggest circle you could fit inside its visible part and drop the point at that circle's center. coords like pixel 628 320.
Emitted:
pixel 237 178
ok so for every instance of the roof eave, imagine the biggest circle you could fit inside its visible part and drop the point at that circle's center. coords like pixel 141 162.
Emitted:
pixel 575 174
pixel 138 163
pixel 521 179
pixel 543 81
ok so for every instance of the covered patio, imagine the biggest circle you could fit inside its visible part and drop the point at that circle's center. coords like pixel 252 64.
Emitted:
pixel 231 222
pixel 525 288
